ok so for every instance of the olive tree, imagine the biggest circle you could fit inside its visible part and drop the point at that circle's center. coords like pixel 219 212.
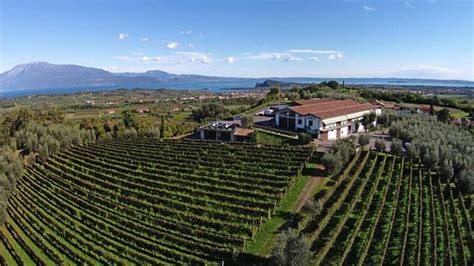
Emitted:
pixel 292 249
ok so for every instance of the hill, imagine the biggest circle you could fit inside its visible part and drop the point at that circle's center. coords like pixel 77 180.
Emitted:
pixel 167 202
pixel 37 75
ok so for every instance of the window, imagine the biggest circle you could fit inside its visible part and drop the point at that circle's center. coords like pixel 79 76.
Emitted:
pixel 310 123
pixel 300 121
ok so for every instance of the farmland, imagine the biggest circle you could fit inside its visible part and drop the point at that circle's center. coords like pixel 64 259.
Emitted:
pixel 384 209
pixel 146 201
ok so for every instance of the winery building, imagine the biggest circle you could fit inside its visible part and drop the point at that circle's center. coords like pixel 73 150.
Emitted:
pixel 327 119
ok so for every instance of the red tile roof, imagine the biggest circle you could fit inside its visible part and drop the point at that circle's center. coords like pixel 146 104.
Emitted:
pixel 331 108
pixel 314 101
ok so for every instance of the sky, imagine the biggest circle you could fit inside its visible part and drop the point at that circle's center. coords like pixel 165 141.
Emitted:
pixel 328 38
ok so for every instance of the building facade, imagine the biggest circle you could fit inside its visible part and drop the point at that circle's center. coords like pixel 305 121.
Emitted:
pixel 327 119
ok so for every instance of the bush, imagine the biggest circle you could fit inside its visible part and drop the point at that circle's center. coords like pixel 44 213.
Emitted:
pixel 396 147
pixel 247 121
pixel 291 248
pixel 363 140
pixel 340 154
pixel 304 138
pixel 379 145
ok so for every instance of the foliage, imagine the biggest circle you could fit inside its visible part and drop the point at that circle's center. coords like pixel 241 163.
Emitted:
pixel 291 249
pixel 313 207
pixel 435 142
pixel 338 156
pixel 379 145
pixel 176 201
pixel 332 84
pixel 396 147
pixel 304 138
pixel 247 121
pixel 363 139
pixel 443 115
pixel 210 111
pixel 368 120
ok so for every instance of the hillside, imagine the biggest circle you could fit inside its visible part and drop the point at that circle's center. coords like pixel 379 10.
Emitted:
pixel 45 75
pixel 167 202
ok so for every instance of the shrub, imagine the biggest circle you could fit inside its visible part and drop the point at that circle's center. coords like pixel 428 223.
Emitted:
pixel 304 138
pixel 379 145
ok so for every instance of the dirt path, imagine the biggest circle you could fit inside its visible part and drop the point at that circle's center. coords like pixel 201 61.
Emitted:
pixel 307 192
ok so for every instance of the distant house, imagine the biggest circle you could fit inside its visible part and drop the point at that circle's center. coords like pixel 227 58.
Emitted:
pixel 327 119
pixel 424 110
pixel 143 110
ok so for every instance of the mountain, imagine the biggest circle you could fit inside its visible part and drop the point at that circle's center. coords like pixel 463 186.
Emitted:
pixel 37 75
pixel 268 83
pixel 45 75
pixel 157 74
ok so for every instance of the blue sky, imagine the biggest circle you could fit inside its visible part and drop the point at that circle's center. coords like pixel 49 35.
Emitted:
pixel 424 39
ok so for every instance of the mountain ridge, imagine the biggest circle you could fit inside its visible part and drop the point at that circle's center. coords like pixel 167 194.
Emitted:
pixel 36 75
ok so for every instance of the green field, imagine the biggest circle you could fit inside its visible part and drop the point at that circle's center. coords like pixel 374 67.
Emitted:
pixel 146 201
pixel 388 210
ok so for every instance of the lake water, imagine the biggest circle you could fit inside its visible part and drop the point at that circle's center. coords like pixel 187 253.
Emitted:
pixel 240 84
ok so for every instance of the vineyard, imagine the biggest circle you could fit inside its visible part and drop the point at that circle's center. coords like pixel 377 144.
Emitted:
pixel 389 210
pixel 147 201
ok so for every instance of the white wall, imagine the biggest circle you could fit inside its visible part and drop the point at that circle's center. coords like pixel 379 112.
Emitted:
pixel 332 134
pixel 344 132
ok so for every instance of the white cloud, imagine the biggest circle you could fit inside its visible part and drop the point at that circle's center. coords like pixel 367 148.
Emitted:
pixel 191 57
pixel 172 45
pixel 190 45
pixel 187 32
pixel 311 51
pixel 145 39
pixel 422 71
pixel 137 53
pixel 112 68
pixel 123 58
pixel 334 56
pixel 122 36
pixel 150 59
pixel 285 57
pixel 408 4
pixel 369 8
pixel 230 59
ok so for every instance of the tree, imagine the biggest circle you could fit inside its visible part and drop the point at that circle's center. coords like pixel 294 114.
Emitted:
pixel 333 84
pixel 443 115
pixel 331 162
pixel 292 249
pixel 396 147
pixel 129 119
pixel 365 122
pixel 247 121
pixel 163 127
pixel 379 145
pixel 447 170
pixel 313 207
pixel 363 139
pixel 466 180
pixel 304 138
pixel 210 111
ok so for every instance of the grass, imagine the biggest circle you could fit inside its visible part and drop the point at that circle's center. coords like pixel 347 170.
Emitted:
pixel 267 138
pixel 263 241
pixel 38 251
pixel 4 252
pixel 19 250
pixel 458 114
pixel 182 117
